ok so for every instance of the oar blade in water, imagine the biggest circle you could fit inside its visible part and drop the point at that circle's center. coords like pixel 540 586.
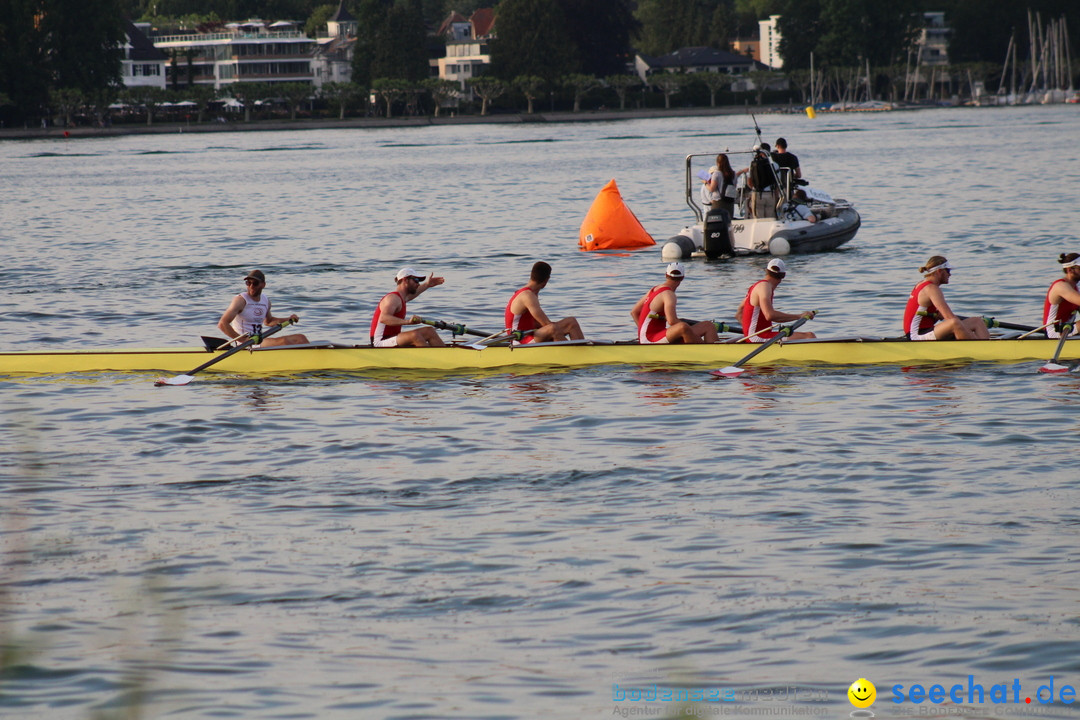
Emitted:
pixel 178 380
pixel 731 372
pixel 1053 367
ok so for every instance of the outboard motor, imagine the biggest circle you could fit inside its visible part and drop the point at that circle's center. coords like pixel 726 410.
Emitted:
pixel 717 234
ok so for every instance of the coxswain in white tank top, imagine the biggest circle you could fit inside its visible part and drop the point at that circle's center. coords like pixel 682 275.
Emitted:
pixel 252 318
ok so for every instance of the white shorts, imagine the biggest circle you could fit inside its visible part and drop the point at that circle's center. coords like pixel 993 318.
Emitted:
pixel 928 335
pixel 386 342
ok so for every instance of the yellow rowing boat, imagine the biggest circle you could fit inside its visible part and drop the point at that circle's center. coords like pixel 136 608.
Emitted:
pixel 547 356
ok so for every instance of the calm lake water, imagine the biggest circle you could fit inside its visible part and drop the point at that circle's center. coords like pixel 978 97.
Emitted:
pixel 528 546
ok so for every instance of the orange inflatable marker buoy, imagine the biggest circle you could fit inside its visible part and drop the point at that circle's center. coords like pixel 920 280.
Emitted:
pixel 609 224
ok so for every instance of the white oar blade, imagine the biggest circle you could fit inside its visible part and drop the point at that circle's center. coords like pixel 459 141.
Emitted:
pixel 1052 367
pixel 178 380
pixel 730 371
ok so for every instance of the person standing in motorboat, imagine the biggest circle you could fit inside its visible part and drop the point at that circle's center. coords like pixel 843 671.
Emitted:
pixel 390 316
pixel 785 159
pixel 762 182
pixel 657 320
pixel 523 312
pixel 757 312
pixel 927 315
pixel 1062 299
pixel 249 313
pixel 721 185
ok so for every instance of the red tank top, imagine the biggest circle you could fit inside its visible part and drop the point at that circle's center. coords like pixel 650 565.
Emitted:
pixel 387 331
pixel 1064 310
pixel 928 315
pixel 753 320
pixel 524 321
pixel 651 329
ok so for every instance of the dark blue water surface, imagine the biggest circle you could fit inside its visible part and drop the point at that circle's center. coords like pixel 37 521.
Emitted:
pixel 509 545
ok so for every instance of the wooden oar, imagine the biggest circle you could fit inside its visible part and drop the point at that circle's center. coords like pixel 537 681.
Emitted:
pixel 454 328
pixel 1052 366
pixel 734 371
pixel 185 379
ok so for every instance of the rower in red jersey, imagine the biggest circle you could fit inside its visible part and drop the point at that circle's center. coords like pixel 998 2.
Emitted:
pixel 1062 299
pixel 657 320
pixel 523 312
pixel 390 318
pixel 927 315
pixel 757 313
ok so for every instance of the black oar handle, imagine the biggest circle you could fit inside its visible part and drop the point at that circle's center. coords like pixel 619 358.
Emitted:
pixel 255 340
pixel 721 327
pixel 995 323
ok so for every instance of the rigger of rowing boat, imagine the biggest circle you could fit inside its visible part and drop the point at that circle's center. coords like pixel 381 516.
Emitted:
pixel 315 358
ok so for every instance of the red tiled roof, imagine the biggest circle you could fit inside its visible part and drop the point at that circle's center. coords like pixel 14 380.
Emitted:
pixel 483 20
pixel 454 17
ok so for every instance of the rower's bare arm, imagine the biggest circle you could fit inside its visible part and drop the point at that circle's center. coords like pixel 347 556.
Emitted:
pixel 771 313
pixel 532 304
pixel 933 294
pixel 388 307
pixel 431 282
pixel 764 302
pixel 669 309
pixel 225 323
pixel 1069 293
pixel 636 311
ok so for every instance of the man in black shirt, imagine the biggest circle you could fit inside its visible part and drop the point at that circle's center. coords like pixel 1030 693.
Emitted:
pixel 785 159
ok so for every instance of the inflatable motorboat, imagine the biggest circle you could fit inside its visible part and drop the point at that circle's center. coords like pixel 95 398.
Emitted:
pixel 717 235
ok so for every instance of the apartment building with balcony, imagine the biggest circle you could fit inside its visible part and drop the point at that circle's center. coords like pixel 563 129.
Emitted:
pixel 239 52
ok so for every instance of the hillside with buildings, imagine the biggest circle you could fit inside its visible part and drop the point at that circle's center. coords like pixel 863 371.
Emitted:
pixel 384 58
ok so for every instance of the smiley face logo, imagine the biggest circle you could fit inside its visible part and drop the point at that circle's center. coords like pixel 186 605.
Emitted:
pixel 862 693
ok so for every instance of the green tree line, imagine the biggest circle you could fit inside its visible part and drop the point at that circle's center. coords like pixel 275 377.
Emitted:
pixel 73 46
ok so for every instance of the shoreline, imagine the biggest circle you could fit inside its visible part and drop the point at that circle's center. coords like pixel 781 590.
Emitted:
pixel 169 127
pixel 364 123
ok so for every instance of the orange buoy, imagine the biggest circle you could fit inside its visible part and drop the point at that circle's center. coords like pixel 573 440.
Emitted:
pixel 609 224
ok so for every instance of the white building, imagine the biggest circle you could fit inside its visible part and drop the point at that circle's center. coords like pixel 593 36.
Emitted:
pixel 333 56
pixel 143 64
pixel 933 40
pixel 770 42
pixel 691 60
pixel 240 52
pixel 467 53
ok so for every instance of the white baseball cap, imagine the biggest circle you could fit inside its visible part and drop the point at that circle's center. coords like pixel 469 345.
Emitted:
pixel 408 272
pixel 777 265
pixel 940 266
pixel 675 270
